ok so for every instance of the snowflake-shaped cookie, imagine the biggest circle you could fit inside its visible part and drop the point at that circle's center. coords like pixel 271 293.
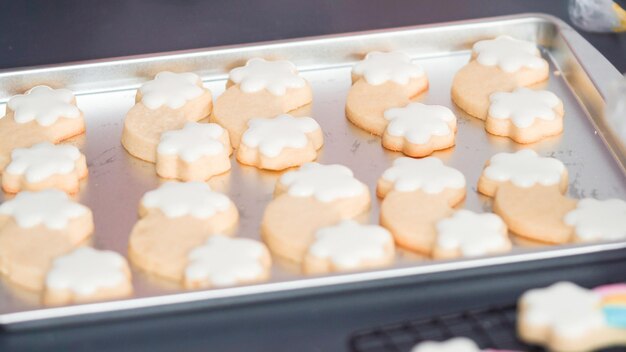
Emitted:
pixel 379 67
pixel 171 89
pixel 428 174
pixel 524 168
pixel 176 199
pixel 275 76
pixel 471 233
pixel 51 208
pixel 418 122
pixel 598 219
pixel 325 182
pixel 508 53
pixel 44 105
pixel 193 141
pixel 523 106
pixel 457 344
pixel 271 135
pixel 43 160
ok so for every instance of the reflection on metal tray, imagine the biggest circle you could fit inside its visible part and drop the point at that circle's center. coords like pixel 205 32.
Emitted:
pixel 105 89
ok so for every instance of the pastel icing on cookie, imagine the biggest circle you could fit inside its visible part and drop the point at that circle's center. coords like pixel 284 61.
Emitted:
pixel 613 304
pixel 418 129
pixel 280 142
pixel 196 152
pixel 44 165
pixel 163 104
pixel 87 274
pixel 42 114
pixel 417 194
pixel 566 317
pixel 469 234
pixel 348 246
pixel 223 261
pixel 525 115
pixel 50 208
pixel 260 89
pixel 595 220
pixel 528 194
pixel 457 344
pixel 497 65
pixel 380 82
pixel 175 219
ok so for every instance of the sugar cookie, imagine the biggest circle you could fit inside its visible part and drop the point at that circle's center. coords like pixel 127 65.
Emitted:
pixel 380 82
pixel 163 104
pixel 86 275
pixel 418 129
pixel 196 152
pixel 525 115
pixel 176 218
pixel 42 114
pixel 497 65
pixel 280 142
pixel 260 89
pixel 44 165
pixel 595 220
pixel 457 344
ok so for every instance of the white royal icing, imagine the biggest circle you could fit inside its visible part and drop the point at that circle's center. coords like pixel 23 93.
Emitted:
pixel 418 122
pixel 44 105
pixel 471 233
pixel 193 141
pixel 348 244
pixel 86 270
pixel 378 68
pixel 225 261
pixel 428 174
pixel 51 208
pixel 325 182
pixel 569 310
pixel 271 135
pixel 524 168
pixel 598 219
pixel 177 199
pixel 259 74
pixel 173 90
pixel 508 53
pixel 43 160
pixel 523 106
pixel 457 344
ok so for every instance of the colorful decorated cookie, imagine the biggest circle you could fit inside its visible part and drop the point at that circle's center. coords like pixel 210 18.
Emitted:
pixel 43 166
pixel 349 246
pixel 166 103
pixel 42 114
pixel 35 228
pixel 566 317
pixel 306 200
pixel 380 82
pixel 468 234
pixel 528 194
pixel 175 218
pixel 224 261
pixel 595 220
pixel 457 344
pixel 280 142
pixel 525 115
pixel 497 65
pixel 260 89
pixel 196 152
pixel 86 275
pixel 417 129
pixel 417 194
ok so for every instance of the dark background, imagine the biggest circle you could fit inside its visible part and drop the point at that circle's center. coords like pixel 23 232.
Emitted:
pixel 45 32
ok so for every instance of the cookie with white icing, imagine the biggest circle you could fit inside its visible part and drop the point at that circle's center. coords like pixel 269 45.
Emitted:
pixel 86 275
pixel 598 220
pixel 457 344
pixel 223 261
pixel 307 199
pixel 195 152
pixel 42 114
pixel 43 166
pixel 280 142
pixel 418 193
pixel 175 218
pixel 163 104
pixel 260 89
pixel 528 192
pixel 35 228
pixel 497 65
pixel 349 246
pixel 418 129
pixel 525 115
pixel 381 81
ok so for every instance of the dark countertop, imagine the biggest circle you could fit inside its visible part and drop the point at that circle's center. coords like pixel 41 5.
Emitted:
pixel 43 32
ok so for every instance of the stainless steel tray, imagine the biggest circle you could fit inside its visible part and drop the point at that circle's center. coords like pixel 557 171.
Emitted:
pixel 596 159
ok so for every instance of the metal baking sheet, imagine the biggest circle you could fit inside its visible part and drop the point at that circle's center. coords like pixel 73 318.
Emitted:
pixel 106 88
